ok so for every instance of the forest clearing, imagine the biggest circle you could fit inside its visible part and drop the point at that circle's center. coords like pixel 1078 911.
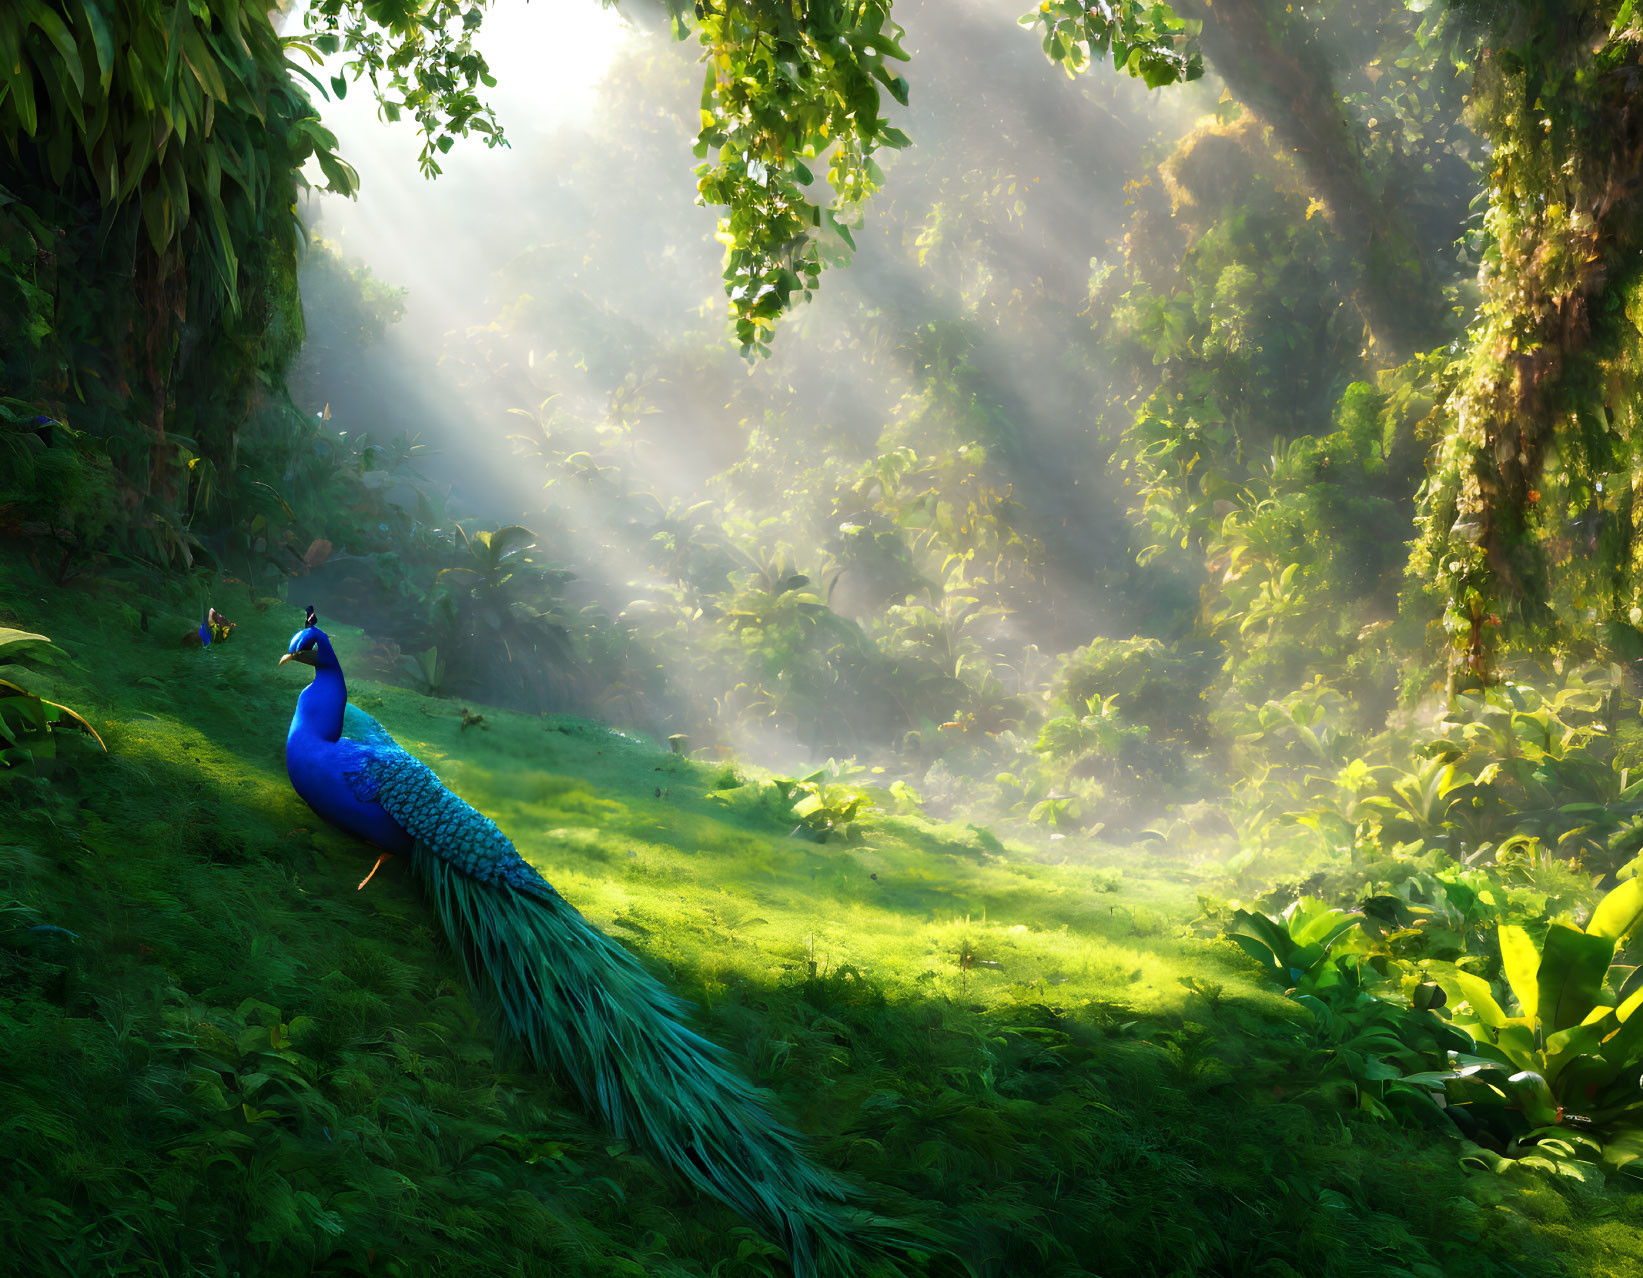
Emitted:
pixel 966 642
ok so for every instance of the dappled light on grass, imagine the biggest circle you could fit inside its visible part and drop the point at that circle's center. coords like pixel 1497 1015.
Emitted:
pixel 1042 1060
pixel 636 826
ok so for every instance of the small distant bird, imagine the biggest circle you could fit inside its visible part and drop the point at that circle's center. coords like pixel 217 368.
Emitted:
pixel 214 628
pixel 578 1003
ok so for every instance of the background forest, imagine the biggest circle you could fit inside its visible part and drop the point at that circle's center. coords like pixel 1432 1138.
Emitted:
pixel 1162 477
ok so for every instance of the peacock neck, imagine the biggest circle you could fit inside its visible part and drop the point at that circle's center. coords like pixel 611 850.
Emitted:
pixel 322 703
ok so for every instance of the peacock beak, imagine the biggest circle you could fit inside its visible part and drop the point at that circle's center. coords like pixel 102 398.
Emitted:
pixel 307 658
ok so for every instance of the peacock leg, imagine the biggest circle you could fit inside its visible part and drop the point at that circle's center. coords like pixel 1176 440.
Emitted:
pixel 374 869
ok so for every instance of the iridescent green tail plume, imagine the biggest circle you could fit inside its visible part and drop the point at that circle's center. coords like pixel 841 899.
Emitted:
pixel 584 1008
pixel 580 1005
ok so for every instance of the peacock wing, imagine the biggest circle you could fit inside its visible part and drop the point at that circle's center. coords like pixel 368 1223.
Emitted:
pixel 443 822
pixel 360 728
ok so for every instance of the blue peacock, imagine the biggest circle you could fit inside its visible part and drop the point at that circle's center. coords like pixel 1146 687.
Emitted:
pixel 578 1003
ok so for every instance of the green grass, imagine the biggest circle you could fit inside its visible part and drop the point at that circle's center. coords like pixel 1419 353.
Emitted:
pixel 243 1065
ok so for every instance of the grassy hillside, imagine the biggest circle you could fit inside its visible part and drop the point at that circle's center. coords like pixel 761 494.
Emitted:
pixel 217 1056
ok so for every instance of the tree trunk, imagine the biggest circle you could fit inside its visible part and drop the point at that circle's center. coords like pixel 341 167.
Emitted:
pixel 1258 49
pixel 1558 97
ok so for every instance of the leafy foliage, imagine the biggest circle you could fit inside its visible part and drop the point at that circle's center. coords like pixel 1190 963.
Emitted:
pixel 27 722
pixel 788 87
pixel 1567 1063
pixel 420 58
pixel 86 83
pixel 1532 435
pixel 1553 1088
pixel 154 155
pixel 1146 40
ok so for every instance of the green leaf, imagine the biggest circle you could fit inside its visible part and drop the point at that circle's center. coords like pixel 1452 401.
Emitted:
pixel 1534 1097
pixel 102 41
pixel 203 64
pixel 1622 1150
pixel 1326 928
pixel 1302 960
pixel 14 643
pixel 62 39
pixel 1515 1041
pixel 1620 1052
pixel 1475 991
pixel 1486 1159
pixel 1258 951
pixel 74 720
pixel 1518 954
pixel 1578 1040
pixel 1263 930
pixel 22 97
pixel 1619 912
pixel 1570 977
pixel 157 218
pixel 21 715
pixel 340 176
pixel 508 541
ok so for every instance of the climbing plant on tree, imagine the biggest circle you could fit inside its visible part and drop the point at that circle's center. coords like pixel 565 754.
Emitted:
pixel 1538 430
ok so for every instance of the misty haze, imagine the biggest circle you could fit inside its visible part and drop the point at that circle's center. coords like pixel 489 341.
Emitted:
pixel 771 636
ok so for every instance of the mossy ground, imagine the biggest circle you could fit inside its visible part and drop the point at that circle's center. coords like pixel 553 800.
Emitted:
pixel 241 1064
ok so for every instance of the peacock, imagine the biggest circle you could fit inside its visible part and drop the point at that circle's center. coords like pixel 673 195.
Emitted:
pixel 215 627
pixel 579 1004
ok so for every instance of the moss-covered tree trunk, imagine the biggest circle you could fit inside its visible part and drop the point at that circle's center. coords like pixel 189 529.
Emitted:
pixel 1558 98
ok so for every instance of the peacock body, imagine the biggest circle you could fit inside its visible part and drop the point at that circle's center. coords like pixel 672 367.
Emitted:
pixel 579 1004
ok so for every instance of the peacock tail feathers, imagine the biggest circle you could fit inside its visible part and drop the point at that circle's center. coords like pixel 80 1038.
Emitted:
pixel 583 1006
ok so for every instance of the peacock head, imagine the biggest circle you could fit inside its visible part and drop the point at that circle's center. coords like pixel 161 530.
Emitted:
pixel 310 646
